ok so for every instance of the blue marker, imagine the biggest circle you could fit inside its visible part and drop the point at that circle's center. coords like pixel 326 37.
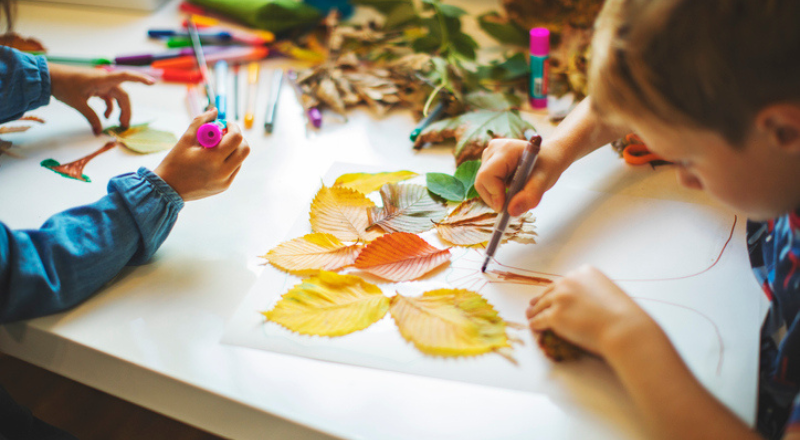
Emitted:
pixel 540 63
pixel 221 77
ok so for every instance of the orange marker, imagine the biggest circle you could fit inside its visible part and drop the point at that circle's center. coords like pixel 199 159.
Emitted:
pixel 252 91
pixel 235 54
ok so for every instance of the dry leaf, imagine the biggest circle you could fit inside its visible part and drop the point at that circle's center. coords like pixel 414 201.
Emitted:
pixel 143 139
pixel 342 212
pixel 406 208
pixel 329 304
pixel 450 322
pixel 472 222
pixel 366 183
pixel 13 39
pixel 400 256
pixel 312 252
pixel 556 348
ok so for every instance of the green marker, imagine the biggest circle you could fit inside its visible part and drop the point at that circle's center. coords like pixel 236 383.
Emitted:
pixel 432 116
pixel 79 60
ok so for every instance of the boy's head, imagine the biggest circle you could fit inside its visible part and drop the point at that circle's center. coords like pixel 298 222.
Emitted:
pixel 690 76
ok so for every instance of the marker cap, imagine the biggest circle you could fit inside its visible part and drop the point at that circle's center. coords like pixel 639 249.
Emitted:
pixel 210 134
pixel 540 41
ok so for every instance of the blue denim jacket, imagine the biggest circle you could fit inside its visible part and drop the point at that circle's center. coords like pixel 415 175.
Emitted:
pixel 75 252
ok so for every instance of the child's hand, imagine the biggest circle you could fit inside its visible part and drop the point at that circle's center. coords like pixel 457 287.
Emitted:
pixel 589 310
pixel 498 164
pixel 74 86
pixel 195 172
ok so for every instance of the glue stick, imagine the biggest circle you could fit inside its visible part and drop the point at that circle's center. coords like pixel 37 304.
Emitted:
pixel 540 63
pixel 210 134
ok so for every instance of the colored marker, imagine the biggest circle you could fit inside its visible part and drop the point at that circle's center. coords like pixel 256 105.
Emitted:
pixel 221 77
pixel 232 55
pixel 210 134
pixel 435 114
pixel 181 42
pixel 252 92
pixel 166 33
pixel 167 75
pixel 521 174
pixel 236 79
pixel 272 104
pixel 540 63
pixel 200 59
pixel 145 59
pixel 313 115
pixel 79 60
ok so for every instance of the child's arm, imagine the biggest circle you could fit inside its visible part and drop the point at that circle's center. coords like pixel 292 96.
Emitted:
pixel 77 251
pixel 74 86
pixel 588 309
pixel 24 83
pixel 579 134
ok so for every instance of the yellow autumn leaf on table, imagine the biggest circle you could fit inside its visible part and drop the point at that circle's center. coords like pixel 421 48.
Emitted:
pixel 366 183
pixel 318 251
pixel 400 256
pixel 329 304
pixel 342 212
pixel 450 322
pixel 472 222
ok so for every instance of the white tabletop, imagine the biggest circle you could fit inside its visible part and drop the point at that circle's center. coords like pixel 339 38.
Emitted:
pixel 152 337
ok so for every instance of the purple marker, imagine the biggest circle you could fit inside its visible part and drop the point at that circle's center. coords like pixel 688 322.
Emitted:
pixel 148 58
pixel 210 134
pixel 540 66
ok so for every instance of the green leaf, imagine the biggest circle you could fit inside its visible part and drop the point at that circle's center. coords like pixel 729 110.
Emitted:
pixel 445 186
pixel 491 101
pixel 466 173
pixel 406 208
pixel 403 14
pixel 503 30
pixel 511 69
pixel 464 45
pixel 383 6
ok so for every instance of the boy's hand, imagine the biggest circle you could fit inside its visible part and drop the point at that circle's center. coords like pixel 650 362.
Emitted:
pixel 589 310
pixel 195 172
pixel 498 164
pixel 74 86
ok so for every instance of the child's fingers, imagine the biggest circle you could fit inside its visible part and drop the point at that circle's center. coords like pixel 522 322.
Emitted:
pixel 109 105
pixel 124 103
pixel 90 115
pixel 541 321
pixel 127 75
pixel 542 304
pixel 231 140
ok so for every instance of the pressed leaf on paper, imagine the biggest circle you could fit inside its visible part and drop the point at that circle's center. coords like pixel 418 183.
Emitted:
pixel 458 187
pixel 318 251
pixel 366 183
pixel 400 256
pixel 406 208
pixel 342 212
pixel 472 222
pixel 143 139
pixel 450 322
pixel 329 304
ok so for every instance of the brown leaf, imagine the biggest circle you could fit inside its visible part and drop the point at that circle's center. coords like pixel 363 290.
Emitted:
pixel 472 222
pixel 400 256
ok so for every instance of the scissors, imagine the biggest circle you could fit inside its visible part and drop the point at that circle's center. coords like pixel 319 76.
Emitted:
pixel 635 152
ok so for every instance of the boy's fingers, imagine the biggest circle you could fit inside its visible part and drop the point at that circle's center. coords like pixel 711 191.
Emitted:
pixel 239 154
pixel 491 184
pixel 90 116
pixel 109 105
pixel 541 321
pixel 232 139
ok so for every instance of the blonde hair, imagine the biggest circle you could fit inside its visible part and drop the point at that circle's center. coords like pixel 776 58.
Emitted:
pixel 710 64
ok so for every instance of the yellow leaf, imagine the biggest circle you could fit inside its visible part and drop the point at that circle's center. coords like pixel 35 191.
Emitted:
pixel 450 322
pixel 472 222
pixel 318 251
pixel 329 304
pixel 342 212
pixel 366 183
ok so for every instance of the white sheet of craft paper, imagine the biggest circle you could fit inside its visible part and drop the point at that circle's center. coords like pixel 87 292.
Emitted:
pixel 668 255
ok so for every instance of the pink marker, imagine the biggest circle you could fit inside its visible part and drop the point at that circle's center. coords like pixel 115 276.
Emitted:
pixel 210 134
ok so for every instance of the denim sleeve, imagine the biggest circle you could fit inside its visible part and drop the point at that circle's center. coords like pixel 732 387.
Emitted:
pixel 24 83
pixel 75 252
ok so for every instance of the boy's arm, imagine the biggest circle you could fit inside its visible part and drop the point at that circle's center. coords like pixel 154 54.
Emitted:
pixel 77 251
pixel 586 308
pixel 24 81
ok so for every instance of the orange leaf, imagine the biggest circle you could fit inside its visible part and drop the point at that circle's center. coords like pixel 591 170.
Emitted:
pixel 400 256
pixel 342 212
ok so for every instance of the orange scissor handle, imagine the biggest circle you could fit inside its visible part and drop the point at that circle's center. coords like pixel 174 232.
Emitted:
pixel 638 154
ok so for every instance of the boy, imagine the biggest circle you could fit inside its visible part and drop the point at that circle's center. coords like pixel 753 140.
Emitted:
pixel 713 86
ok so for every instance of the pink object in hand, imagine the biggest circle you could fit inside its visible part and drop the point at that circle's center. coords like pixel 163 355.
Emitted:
pixel 209 135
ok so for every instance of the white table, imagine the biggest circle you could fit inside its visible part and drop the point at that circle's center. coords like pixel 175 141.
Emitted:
pixel 152 337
